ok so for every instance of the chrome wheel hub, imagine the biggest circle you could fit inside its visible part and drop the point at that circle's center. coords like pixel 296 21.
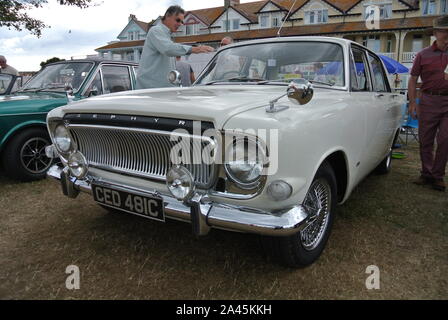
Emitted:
pixel 33 157
pixel 318 205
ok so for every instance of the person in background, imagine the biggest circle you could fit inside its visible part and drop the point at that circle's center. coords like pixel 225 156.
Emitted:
pixel 226 41
pixel 432 112
pixel 397 81
pixel 186 72
pixel 5 68
pixel 159 51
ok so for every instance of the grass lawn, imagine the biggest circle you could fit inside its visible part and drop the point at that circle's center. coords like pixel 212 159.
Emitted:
pixel 387 222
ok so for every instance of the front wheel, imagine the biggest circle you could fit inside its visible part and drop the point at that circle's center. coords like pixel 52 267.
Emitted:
pixel 386 165
pixel 24 157
pixel 304 248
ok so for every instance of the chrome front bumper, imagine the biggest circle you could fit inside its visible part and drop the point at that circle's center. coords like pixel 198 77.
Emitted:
pixel 201 212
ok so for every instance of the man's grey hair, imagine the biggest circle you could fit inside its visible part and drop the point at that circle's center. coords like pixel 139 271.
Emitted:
pixel 228 38
pixel 173 11
pixel 2 58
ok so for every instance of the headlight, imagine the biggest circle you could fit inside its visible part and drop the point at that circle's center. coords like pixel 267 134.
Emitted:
pixel 180 183
pixel 244 162
pixel 62 139
pixel 78 165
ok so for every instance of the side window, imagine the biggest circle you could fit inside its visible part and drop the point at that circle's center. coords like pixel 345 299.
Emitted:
pixel 17 84
pixel 358 71
pixel 96 87
pixel 5 81
pixel 116 79
pixel 379 82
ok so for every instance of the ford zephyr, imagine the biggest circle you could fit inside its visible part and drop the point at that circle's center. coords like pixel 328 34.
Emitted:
pixel 272 136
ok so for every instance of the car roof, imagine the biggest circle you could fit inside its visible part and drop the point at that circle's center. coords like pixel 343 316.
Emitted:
pixel 96 61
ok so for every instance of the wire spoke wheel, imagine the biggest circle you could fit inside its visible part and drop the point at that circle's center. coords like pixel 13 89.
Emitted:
pixel 33 157
pixel 318 205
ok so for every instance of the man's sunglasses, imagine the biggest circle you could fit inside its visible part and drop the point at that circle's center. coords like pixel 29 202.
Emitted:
pixel 179 20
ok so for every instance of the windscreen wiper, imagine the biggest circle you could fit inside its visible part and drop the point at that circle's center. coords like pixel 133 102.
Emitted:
pixel 247 79
pixel 240 79
pixel 51 88
pixel 321 82
pixel 28 89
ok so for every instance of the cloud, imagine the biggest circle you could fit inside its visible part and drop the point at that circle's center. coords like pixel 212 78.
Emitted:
pixel 78 32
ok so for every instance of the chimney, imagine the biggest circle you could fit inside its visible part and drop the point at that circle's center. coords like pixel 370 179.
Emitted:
pixel 132 17
pixel 228 3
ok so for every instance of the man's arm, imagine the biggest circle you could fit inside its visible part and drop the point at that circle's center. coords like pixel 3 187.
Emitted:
pixel 165 45
pixel 171 49
pixel 202 49
pixel 412 93
pixel 415 73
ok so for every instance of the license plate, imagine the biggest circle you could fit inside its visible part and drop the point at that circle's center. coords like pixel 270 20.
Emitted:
pixel 150 207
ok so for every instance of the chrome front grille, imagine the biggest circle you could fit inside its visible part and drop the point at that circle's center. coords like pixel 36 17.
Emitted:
pixel 139 152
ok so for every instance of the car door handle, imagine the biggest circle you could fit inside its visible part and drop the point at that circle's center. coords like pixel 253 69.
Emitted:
pixel 379 95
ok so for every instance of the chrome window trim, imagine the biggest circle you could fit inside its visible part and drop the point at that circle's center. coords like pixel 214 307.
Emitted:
pixel 366 63
pixel 346 86
pixel 93 79
pixel 115 65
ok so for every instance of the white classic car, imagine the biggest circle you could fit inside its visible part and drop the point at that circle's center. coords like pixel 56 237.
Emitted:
pixel 271 137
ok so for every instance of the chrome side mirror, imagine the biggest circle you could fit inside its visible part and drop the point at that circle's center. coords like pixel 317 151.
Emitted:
pixel 175 78
pixel 300 91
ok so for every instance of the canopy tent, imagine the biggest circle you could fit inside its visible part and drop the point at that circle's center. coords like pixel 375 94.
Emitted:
pixel 392 66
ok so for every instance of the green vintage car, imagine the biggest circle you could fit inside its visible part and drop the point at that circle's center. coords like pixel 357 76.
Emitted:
pixel 23 131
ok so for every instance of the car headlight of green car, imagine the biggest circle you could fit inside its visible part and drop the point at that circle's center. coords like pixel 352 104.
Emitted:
pixel 63 140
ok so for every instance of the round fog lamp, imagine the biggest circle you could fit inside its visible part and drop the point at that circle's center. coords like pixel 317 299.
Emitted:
pixel 77 164
pixel 279 190
pixel 180 183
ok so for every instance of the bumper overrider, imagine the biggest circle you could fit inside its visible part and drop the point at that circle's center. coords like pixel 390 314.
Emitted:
pixel 198 209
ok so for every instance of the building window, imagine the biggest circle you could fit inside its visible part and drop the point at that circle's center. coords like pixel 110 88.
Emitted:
pixel 236 24
pixel 443 6
pixel 264 21
pixel 385 11
pixel 417 43
pixel 226 25
pixel 389 44
pixel 130 35
pixel 275 22
pixel 372 42
pixel 429 7
pixel 316 16
pixel 189 29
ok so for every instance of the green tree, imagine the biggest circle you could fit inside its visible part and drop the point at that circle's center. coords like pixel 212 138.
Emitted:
pixel 55 59
pixel 13 13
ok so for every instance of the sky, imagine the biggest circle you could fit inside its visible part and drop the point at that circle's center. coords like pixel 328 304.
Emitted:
pixel 78 32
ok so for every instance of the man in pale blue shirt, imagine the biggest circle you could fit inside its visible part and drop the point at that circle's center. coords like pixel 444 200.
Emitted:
pixel 159 52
